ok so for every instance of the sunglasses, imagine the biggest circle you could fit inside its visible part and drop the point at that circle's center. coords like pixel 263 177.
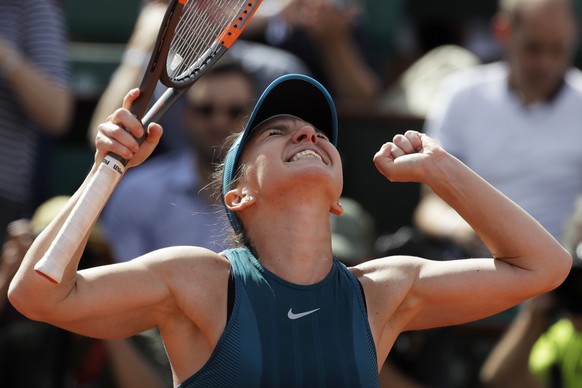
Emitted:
pixel 233 112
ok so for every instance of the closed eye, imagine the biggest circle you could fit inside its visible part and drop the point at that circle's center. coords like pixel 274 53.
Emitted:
pixel 273 132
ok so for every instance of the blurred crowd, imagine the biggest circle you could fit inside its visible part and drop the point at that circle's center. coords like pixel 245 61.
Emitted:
pixel 496 83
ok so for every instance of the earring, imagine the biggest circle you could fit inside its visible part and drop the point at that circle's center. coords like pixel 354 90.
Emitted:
pixel 338 203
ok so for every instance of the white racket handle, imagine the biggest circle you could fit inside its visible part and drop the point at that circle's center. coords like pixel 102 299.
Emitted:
pixel 85 212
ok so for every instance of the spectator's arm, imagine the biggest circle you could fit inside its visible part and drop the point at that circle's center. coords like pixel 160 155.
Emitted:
pixel 129 73
pixel 48 102
pixel 350 75
pixel 508 363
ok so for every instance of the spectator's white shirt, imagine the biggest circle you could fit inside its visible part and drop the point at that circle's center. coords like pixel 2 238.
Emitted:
pixel 531 154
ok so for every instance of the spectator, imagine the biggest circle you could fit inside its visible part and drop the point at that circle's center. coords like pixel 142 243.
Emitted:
pixel 509 119
pixel 172 187
pixel 35 98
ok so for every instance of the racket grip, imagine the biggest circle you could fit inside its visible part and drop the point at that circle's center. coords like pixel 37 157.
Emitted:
pixel 85 212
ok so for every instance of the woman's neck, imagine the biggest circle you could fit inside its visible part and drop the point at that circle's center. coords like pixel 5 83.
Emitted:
pixel 294 244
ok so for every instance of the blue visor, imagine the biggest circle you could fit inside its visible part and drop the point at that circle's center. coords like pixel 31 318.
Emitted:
pixel 292 94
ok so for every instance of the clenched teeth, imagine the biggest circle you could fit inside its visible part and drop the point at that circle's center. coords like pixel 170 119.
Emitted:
pixel 305 154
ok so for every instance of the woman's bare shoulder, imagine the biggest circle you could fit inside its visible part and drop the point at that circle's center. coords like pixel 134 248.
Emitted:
pixel 193 262
pixel 386 268
pixel 388 280
pixel 197 278
pixel 188 252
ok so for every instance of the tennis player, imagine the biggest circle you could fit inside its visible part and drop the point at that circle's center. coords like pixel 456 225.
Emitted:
pixel 277 309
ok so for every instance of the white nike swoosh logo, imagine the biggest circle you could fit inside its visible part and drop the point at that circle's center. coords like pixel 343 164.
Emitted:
pixel 291 315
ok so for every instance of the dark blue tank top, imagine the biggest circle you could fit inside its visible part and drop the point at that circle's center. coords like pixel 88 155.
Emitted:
pixel 281 334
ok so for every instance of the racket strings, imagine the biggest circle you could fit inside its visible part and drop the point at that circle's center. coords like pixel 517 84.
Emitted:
pixel 200 25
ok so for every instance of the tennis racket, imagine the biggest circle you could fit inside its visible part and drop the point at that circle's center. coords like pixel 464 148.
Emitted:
pixel 193 35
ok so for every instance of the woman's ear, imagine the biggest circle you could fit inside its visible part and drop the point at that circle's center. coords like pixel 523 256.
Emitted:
pixel 235 200
pixel 336 208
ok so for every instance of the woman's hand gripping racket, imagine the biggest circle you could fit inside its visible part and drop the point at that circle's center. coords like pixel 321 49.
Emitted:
pixel 193 36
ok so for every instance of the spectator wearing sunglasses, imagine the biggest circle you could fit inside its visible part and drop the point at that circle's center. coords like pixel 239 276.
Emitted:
pixel 165 204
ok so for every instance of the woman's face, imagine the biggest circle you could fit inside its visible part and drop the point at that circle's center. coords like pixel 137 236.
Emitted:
pixel 287 153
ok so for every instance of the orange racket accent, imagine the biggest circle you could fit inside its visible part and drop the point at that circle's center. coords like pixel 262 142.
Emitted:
pixel 231 34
